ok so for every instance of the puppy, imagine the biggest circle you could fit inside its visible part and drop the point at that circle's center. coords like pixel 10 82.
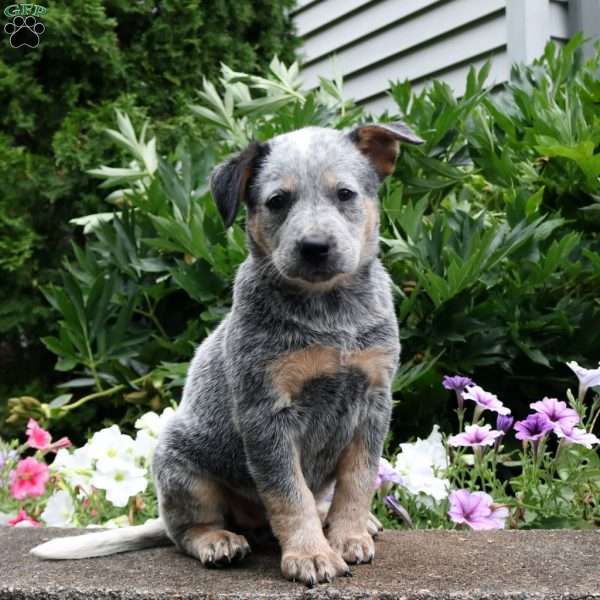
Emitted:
pixel 290 397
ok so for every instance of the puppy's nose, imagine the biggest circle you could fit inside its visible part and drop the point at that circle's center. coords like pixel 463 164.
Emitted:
pixel 314 249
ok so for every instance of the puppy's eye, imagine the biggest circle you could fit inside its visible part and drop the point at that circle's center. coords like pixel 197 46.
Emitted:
pixel 344 194
pixel 277 201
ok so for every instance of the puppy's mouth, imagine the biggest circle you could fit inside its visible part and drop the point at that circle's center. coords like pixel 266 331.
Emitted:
pixel 318 275
pixel 317 279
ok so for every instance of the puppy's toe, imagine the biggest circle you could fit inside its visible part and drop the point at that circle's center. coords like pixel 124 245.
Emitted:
pixel 239 547
pixel 220 548
pixel 311 569
pixel 374 526
pixel 355 549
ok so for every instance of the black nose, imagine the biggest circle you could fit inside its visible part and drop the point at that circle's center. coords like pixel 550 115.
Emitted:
pixel 314 250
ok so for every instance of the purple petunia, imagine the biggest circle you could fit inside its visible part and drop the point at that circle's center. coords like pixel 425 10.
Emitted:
pixel 557 413
pixel 398 509
pixel 486 400
pixel 456 383
pixel 533 428
pixel 475 435
pixel 504 423
pixel 477 510
pixel 386 474
pixel 575 435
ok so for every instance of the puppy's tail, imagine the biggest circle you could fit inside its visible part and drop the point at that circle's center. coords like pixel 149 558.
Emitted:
pixel 102 543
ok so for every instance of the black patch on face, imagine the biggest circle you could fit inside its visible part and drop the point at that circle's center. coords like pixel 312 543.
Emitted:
pixel 231 182
pixel 260 158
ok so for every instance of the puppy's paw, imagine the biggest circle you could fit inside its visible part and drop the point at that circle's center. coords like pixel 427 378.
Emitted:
pixel 220 548
pixel 321 566
pixel 374 526
pixel 354 547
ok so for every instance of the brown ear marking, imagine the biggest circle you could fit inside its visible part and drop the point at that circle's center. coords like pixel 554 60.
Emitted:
pixel 380 143
pixel 292 371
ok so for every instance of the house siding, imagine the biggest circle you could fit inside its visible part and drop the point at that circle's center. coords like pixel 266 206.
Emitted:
pixel 373 42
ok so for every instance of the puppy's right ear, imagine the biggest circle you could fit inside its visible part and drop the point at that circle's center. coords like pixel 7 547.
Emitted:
pixel 379 142
pixel 230 181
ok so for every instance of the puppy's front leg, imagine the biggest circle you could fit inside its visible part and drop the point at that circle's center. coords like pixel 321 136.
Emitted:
pixel 275 466
pixel 349 515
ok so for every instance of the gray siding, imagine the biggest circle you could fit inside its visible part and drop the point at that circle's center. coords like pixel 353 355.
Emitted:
pixel 373 42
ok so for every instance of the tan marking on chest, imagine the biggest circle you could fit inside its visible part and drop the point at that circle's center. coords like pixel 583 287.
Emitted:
pixel 292 371
pixel 376 363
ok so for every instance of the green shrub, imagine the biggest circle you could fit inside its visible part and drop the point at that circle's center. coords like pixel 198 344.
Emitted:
pixel 95 56
pixel 488 231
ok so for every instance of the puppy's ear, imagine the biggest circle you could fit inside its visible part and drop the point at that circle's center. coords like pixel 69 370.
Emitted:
pixel 230 181
pixel 380 143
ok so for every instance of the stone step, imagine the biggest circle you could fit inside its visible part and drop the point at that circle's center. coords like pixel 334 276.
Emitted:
pixel 410 565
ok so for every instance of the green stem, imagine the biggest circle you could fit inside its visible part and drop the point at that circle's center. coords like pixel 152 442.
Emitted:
pixel 593 423
pixel 100 394
pixel 152 316
pixel 461 418
pixel 92 365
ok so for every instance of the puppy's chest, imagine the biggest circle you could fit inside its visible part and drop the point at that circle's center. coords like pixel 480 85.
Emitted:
pixel 322 374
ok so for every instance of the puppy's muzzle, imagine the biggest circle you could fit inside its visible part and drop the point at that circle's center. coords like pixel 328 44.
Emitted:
pixel 315 251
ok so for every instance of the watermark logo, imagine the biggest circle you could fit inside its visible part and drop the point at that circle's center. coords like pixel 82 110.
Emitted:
pixel 24 29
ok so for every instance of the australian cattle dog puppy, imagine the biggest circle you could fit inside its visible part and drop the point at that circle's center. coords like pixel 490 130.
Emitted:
pixel 287 402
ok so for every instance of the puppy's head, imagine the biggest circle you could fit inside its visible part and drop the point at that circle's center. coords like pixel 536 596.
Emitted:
pixel 312 198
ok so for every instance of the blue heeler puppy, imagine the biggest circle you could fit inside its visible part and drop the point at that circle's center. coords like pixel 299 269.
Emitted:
pixel 289 398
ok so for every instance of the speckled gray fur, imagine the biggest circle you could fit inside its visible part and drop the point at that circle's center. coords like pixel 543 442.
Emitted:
pixel 230 427
pixel 254 441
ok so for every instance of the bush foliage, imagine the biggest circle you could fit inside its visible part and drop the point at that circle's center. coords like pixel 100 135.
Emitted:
pixel 146 58
pixel 490 231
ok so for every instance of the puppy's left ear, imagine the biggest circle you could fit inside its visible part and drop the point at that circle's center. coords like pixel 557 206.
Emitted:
pixel 230 181
pixel 380 143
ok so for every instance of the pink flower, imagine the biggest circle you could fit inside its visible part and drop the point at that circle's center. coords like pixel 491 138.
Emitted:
pixel 477 510
pixel 41 439
pixel 64 442
pixel 475 435
pixel 557 413
pixel 28 479
pixel 37 437
pixel 574 435
pixel 23 520
pixel 485 400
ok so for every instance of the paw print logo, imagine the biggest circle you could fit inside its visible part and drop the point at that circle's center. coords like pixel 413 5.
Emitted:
pixel 24 31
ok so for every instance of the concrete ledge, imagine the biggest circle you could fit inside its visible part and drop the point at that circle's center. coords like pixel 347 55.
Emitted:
pixel 411 565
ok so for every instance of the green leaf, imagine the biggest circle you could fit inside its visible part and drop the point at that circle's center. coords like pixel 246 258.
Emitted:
pixel 60 400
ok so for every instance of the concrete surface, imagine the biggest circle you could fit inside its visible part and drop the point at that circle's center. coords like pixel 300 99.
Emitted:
pixel 410 565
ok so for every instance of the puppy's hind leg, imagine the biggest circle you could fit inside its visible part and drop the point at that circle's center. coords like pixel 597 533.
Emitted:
pixel 194 511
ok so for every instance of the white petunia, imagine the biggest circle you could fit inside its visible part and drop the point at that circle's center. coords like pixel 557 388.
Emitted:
pixel 153 423
pixel 420 464
pixel 109 446
pixel 144 446
pixel 60 510
pixel 75 467
pixel 431 448
pixel 120 478
pixel 587 377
